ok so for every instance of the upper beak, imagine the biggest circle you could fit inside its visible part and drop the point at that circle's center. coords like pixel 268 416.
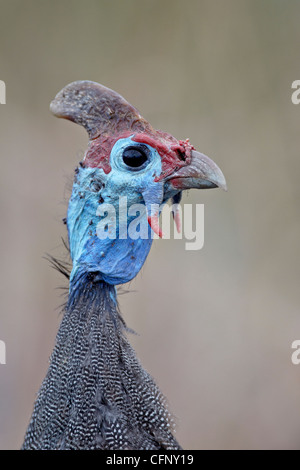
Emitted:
pixel 200 173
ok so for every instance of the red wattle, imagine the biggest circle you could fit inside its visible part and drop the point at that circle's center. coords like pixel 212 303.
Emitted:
pixel 154 224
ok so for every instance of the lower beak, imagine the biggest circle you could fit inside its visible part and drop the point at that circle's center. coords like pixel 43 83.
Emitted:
pixel 200 173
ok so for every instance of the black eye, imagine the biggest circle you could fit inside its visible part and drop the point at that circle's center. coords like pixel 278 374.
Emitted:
pixel 135 157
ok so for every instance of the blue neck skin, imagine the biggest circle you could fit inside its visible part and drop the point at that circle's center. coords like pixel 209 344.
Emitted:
pixel 114 260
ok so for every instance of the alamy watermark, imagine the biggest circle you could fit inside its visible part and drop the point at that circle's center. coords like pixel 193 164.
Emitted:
pixel 2 92
pixel 296 354
pixel 2 343
pixel 296 94
pixel 2 352
pixel 133 222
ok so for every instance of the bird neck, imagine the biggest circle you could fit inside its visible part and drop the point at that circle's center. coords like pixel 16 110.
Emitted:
pixel 86 286
pixel 96 395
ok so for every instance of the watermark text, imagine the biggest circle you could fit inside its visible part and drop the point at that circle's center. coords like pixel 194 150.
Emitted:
pixel 2 92
pixel 2 352
pixel 296 354
pixel 296 94
pixel 133 222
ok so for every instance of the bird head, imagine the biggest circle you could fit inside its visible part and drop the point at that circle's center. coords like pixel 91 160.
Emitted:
pixel 127 162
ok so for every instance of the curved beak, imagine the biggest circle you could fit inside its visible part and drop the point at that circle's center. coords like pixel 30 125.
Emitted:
pixel 200 173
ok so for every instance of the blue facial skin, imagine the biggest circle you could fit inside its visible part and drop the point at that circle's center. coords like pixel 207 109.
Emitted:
pixel 115 261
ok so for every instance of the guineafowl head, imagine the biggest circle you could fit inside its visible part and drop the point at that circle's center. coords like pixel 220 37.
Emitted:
pixel 129 171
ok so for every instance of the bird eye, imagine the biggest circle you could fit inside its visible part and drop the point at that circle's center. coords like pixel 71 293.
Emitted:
pixel 135 157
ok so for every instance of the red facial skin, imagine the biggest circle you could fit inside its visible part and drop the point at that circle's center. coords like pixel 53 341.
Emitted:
pixel 174 154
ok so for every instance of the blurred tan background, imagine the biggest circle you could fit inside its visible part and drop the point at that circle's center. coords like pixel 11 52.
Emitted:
pixel 215 326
